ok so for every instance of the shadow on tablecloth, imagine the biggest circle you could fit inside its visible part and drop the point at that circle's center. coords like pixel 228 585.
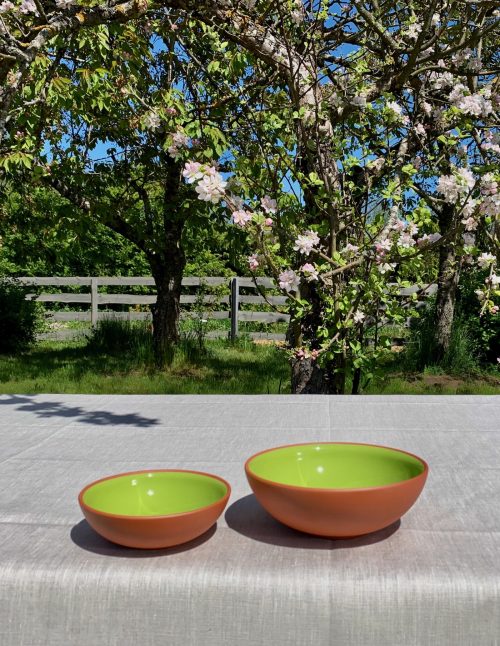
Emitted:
pixel 85 537
pixel 47 409
pixel 247 517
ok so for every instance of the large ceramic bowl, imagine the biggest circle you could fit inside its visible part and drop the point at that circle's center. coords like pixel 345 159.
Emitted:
pixel 154 509
pixel 336 489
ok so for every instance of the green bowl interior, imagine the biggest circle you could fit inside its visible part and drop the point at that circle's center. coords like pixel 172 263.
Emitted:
pixel 335 466
pixel 155 493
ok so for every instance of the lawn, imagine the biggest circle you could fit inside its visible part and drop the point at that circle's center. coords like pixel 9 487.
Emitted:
pixel 73 367
pixel 223 368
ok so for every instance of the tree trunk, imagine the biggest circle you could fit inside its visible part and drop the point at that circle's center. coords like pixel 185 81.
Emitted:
pixel 448 276
pixel 167 270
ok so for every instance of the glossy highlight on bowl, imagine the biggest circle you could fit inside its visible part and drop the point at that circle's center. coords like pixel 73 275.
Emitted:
pixel 154 509
pixel 336 489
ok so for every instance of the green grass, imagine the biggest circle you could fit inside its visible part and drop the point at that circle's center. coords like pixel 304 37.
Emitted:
pixel 73 367
pixel 223 368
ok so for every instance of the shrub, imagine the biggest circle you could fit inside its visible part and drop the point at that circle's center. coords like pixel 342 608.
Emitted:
pixel 463 356
pixel 115 337
pixel 20 320
pixel 484 330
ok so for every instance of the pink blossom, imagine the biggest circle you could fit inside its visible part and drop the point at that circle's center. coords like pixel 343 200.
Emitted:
pixel 494 309
pixel 383 245
pixel 192 171
pixel 268 204
pixel 490 206
pixel 253 262
pixel 306 242
pixel 412 229
pixel 180 139
pixel 241 218
pixel 406 241
pixel 492 142
pixel 289 281
pixel 419 129
pixel 268 222
pixel 310 271
pixel 427 108
pixel 6 6
pixel 454 186
pixel 171 111
pixel 470 224
pixel 350 249
pixel 399 225
pixel 489 185
pixel 474 104
pixel 440 80
pixel 28 6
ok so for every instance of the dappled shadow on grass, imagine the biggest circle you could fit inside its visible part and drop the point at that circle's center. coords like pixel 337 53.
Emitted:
pixel 219 368
pixel 44 361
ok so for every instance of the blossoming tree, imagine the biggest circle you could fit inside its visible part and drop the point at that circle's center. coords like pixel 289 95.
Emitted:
pixel 382 120
pixel 395 121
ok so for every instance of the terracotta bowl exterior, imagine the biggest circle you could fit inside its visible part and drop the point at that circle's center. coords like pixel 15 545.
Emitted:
pixel 336 489
pixel 154 509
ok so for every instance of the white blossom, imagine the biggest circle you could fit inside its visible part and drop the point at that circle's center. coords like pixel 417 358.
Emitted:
pixel 386 266
pixel 310 272
pixel 192 172
pixel 413 30
pixel 211 188
pixel 406 241
pixel 64 4
pixel 485 260
pixel 152 121
pixel 269 205
pixel 241 218
pixel 306 242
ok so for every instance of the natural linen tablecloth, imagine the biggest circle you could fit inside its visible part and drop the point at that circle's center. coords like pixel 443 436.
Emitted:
pixel 435 579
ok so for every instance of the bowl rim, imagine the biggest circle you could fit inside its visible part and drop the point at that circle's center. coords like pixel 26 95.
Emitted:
pixel 399 483
pixel 107 514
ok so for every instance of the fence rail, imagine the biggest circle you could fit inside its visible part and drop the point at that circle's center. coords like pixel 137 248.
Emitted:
pixel 234 299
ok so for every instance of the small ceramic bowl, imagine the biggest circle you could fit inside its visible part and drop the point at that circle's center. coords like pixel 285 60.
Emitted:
pixel 154 509
pixel 336 489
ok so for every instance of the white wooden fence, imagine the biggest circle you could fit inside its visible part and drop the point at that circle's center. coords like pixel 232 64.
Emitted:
pixel 236 296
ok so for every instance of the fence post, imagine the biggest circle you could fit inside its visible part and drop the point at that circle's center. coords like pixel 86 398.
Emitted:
pixel 94 301
pixel 235 306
